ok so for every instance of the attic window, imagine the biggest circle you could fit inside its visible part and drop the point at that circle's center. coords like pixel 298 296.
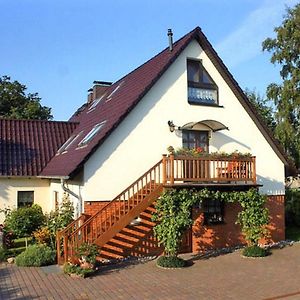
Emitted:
pixel 69 142
pixel 201 87
pixel 91 134
pixel 96 102
pixel 114 91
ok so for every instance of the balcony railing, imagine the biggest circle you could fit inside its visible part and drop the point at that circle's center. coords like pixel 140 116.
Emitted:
pixel 208 169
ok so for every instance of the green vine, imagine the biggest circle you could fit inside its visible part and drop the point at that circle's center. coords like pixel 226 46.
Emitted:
pixel 173 214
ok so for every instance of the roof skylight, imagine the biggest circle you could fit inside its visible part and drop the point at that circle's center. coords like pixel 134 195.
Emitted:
pixel 91 134
pixel 69 142
pixel 114 91
pixel 95 102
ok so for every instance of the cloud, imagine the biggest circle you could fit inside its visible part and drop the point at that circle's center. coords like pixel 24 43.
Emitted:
pixel 245 43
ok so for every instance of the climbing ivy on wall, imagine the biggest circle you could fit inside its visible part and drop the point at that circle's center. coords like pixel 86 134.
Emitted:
pixel 173 214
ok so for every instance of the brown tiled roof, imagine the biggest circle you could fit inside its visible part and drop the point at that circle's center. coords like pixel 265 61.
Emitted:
pixel 27 146
pixel 130 90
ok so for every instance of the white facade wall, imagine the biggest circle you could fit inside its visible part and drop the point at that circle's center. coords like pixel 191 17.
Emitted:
pixel 56 187
pixel 140 140
pixel 9 188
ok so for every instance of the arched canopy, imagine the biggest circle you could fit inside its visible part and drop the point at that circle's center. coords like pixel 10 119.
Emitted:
pixel 211 124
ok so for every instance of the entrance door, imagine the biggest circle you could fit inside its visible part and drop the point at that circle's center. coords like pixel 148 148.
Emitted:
pixel 196 170
pixel 193 139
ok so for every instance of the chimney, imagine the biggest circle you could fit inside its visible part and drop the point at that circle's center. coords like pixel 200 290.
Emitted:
pixel 170 35
pixel 98 89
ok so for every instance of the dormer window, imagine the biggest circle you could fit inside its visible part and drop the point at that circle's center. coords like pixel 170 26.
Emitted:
pixel 91 134
pixel 201 87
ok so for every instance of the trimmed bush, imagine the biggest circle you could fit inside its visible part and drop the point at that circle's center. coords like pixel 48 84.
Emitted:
pixel 36 256
pixel 255 251
pixel 171 262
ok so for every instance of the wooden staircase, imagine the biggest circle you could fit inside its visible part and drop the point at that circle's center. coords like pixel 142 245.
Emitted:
pixel 110 227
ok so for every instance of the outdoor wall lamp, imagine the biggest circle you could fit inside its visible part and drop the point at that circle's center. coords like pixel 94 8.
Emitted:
pixel 171 126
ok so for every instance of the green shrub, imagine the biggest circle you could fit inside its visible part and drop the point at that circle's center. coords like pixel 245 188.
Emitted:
pixel 171 262
pixel 292 206
pixel 74 269
pixel 24 220
pixel 88 252
pixel 2 254
pixel 36 256
pixel 60 218
pixel 255 251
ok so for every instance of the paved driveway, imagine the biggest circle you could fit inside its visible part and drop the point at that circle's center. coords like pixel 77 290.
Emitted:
pixel 225 277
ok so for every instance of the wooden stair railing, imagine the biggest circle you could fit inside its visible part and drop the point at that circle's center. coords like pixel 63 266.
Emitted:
pixel 61 235
pixel 118 213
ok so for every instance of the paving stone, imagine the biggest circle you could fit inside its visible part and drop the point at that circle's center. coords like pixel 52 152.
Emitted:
pixel 224 277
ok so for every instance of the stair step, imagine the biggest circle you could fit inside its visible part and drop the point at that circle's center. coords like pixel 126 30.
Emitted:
pixel 118 242
pixel 110 255
pixel 127 237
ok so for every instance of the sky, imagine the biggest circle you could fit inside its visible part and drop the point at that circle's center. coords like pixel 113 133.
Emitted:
pixel 58 48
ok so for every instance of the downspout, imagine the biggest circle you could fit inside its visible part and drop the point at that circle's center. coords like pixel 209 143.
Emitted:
pixel 67 190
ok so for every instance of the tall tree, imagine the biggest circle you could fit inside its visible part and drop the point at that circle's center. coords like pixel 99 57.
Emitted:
pixel 16 104
pixel 263 107
pixel 285 49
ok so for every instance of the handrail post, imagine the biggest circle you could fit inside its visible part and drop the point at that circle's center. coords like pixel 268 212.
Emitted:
pixel 164 169
pixel 171 168
pixel 58 247
pixel 254 169
pixel 65 243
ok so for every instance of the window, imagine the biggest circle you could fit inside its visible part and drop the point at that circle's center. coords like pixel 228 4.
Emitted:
pixel 109 97
pixel 25 198
pixel 193 139
pixel 201 87
pixel 91 134
pixel 69 142
pixel 213 211
pixel 56 202
pixel 95 102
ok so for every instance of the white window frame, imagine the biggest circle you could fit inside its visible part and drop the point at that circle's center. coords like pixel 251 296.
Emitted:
pixel 68 143
pixel 91 134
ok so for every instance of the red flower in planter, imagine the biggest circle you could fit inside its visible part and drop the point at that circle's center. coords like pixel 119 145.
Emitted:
pixel 199 149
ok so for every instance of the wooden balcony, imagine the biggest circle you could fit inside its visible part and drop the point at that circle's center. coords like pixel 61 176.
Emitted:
pixel 208 170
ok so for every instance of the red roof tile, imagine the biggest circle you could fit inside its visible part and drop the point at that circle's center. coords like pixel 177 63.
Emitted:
pixel 127 92
pixel 27 146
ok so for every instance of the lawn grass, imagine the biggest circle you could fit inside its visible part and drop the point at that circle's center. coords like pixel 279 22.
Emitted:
pixel 292 232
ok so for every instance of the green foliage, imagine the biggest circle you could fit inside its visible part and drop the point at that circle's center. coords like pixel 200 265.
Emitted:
pixel 16 104
pixel 74 269
pixel 254 216
pixel 173 214
pixel 60 218
pixel 36 256
pixel 255 251
pixel 285 48
pixel 174 217
pixel 199 152
pixel 2 254
pixel 88 252
pixel 263 107
pixel 292 233
pixel 292 206
pixel 24 220
pixel 171 262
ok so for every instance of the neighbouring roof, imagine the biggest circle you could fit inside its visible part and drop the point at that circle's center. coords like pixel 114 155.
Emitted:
pixel 125 94
pixel 27 146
